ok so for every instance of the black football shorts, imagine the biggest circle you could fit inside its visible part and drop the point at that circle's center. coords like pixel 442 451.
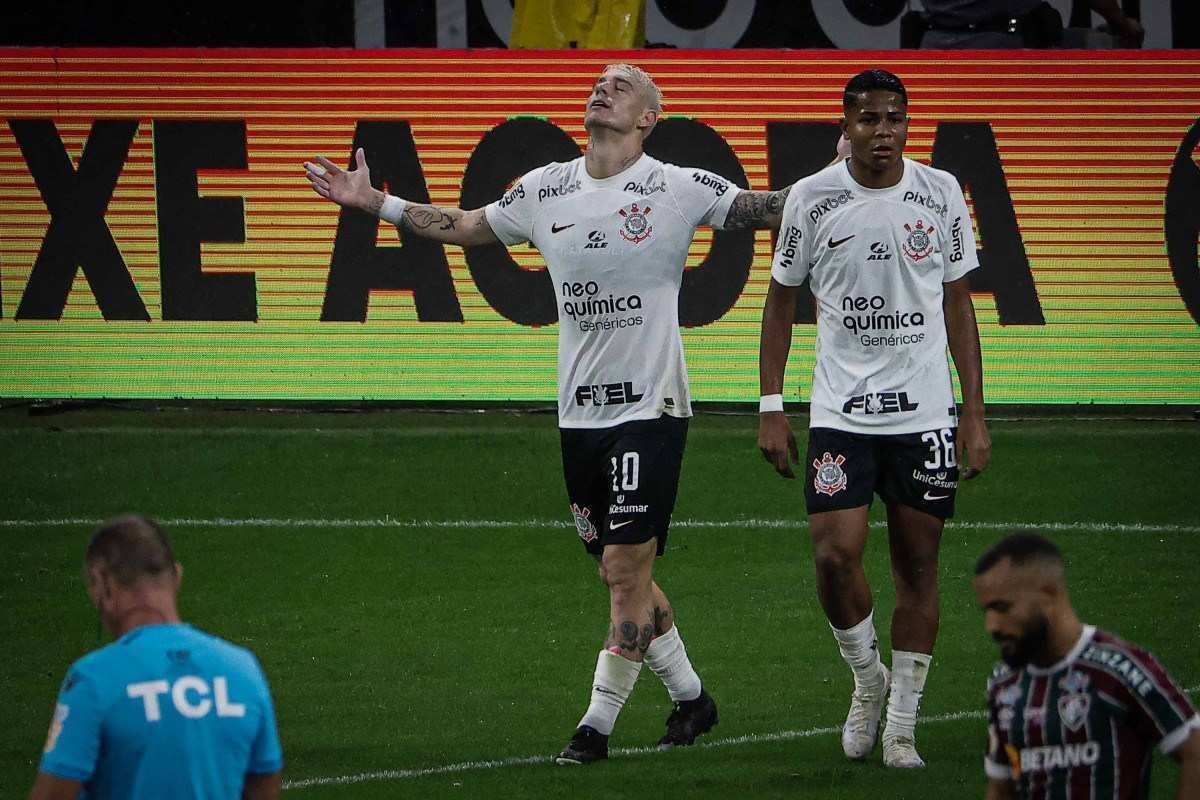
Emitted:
pixel 845 470
pixel 622 481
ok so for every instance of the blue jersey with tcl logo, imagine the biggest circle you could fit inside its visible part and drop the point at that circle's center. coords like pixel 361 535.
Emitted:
pixel 615 248
pixel 164 711
pixel 877 260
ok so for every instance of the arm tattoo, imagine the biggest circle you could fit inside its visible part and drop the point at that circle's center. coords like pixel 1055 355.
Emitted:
pixel 419 218
pixel 375 204
pixel 751 210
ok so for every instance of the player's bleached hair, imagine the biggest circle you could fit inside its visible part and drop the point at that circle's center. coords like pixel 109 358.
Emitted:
pixel 131 548
pixel 645 84
pixel 1022 548
pixel 871 80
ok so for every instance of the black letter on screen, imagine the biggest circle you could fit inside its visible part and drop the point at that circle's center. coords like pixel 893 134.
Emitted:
pixel 712 287
pixel 185 219
pixel 506 152
pixel 968 150
pixel 796 150
pixel 1181 223
pixel 77 235
pixel 359 265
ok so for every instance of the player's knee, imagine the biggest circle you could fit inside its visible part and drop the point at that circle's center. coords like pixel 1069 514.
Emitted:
pixel 917 574
pixel 918 589
pixel 833 559
pixel 624 575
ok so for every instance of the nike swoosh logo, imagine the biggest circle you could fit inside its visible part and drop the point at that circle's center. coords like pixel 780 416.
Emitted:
pixel 612 526
pixel 929 496
pixel 555 229
pixel 840 242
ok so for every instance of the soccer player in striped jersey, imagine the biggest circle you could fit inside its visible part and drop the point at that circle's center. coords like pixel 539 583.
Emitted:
pixel 1074 711
pixel 614 227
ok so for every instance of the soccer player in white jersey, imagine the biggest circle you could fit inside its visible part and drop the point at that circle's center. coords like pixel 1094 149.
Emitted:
pixel 614 227
pixel 886 245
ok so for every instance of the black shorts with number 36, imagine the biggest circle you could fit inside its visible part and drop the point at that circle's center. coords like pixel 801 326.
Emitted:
pixel 622 481
pixel 845 470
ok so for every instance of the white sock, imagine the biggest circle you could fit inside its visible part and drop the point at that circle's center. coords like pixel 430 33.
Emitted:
pixel 909 671
pixel 667 656
pixel 860 649
pixel 611 686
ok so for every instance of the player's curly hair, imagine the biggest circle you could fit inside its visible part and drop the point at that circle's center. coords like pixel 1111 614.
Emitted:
pixel 871 80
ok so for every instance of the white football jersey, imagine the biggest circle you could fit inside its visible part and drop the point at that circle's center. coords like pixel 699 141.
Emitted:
pixel 876 260
pixel 615 249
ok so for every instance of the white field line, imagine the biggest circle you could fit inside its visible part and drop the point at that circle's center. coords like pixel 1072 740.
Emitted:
pixel 482 524
pixel 520 761
pixel 1170 427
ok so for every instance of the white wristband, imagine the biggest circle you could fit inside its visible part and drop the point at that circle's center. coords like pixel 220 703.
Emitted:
pixel 770 402
pixel 392 209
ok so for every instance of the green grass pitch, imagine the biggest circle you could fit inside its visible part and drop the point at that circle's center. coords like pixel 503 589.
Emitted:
pixel 429 623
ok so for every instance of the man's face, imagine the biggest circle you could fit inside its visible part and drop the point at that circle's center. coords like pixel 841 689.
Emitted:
pixel 877 127
pixel 616 103
pixel 1014 605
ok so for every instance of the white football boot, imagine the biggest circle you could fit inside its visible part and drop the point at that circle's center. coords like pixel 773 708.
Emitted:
pixel 861 729
pixel 900 752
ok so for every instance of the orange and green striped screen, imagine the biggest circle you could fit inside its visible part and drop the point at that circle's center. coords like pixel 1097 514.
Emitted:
pixel 158 238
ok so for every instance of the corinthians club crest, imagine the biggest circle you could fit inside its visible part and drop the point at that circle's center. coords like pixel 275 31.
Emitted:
pixel 583 523
pixel 636 227
pixel 831 478
pixel 918 245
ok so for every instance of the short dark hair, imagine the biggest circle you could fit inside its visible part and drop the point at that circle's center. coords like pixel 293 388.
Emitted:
pixel 130 548
pixel 869 81
pixel 1022 548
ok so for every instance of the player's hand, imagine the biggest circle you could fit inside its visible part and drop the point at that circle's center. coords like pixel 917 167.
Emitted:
pixel 350 188
pixel 777 443
pixel 1130 33
pixel 973 445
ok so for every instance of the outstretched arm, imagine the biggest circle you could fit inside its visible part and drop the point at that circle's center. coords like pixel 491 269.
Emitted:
pixel 353 189
pixel 752 210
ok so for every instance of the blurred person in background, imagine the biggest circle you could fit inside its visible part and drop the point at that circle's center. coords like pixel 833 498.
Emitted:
pixel 165 711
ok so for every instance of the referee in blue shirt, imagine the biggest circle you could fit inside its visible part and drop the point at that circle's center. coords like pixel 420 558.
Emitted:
pixel 165 711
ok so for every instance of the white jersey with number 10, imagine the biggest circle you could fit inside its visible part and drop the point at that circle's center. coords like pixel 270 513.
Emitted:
pixel 616 249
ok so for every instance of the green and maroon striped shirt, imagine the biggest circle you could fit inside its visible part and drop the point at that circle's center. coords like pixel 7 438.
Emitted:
pixel 1084 728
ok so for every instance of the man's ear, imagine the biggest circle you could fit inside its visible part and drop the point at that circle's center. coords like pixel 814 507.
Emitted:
pixel 648 119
